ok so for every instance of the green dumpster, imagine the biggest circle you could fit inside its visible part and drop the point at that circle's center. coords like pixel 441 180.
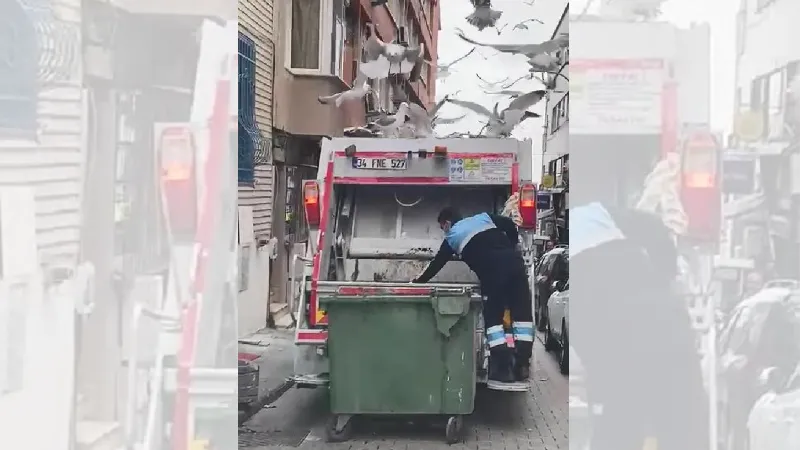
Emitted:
pixel 400 350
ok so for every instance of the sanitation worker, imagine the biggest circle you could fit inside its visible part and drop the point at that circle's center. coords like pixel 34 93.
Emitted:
pixel 487 243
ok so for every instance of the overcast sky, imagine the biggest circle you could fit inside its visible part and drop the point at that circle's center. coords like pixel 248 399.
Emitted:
pixel 490 65
pixel 720 14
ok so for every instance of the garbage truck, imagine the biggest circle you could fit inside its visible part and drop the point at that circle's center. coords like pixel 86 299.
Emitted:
pixel 371 212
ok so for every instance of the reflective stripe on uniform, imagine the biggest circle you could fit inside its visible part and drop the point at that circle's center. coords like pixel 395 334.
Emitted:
pixel 523 331
pixel 496 335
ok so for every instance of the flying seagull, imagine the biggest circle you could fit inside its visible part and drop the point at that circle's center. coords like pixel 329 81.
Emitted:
pixel 443 70
pixel 446 120
pixel 502 123
pixel 483 16
pixel 360 88
pixel 529 50
pixel 384 59
pixel 522 26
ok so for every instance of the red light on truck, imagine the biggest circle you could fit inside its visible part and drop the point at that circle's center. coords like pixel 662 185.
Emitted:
pixel 527 206
pixel 699 180
pixel 440 150
pixel 311 202
pixel 177 155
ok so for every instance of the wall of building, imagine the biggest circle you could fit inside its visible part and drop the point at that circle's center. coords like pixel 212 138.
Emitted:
pixel 556 132
pixel 296 108
pixel 768 38
pixel 48 154
pixel 256 21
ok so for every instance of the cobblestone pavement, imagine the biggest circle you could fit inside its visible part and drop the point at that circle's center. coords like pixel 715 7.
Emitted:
pixel 537 420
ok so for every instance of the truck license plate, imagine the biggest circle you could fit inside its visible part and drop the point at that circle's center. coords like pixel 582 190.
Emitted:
pixel 380 163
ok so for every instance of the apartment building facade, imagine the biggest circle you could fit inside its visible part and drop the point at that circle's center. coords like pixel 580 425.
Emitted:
pixel 309 65
pixel 554 188
pixel 765 125
pixel 256 174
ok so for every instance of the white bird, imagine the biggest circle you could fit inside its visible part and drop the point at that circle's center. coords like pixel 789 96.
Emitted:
pixel 529 50
pixel 359 89
pixel 544 62
pixel 436 121
pixel 502 123
pixel 418 119
pixel 443 70
pixel 384 59
pixel 509 92
pixel 483 16
pixel 522 26
pixel 389 125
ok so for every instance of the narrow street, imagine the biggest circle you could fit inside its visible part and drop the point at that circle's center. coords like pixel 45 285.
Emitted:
pixel 537 420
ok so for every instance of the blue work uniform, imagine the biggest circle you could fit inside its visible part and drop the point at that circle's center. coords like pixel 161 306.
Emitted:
pixel 488 245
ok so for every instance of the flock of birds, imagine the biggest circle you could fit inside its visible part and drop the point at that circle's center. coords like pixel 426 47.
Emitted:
pixel 410 120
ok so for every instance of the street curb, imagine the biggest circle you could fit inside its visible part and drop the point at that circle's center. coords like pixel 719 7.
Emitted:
pixel 271 396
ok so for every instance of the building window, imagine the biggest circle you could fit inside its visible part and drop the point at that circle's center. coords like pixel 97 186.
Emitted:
pixel 19 74
pixel 316 37
pixel 339 30
pixel 247 108
pixel 560 114
pixel 305 31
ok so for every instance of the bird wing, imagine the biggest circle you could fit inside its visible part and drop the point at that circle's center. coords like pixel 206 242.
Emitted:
pixel 505 48
pixel 449 65
pixel 438 106
pixel 504 92
pixel 377 69
pixel 472 106
pixel 385 121
pixel 529 115
pixel 326 100
pixel 553 44
pixel 492 83
pixel 361 80
pixel 448 120
pixel 373 47
pixel 525 101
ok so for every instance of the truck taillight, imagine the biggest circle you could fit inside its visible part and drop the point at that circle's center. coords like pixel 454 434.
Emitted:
pixel 527 206
pixel 440 150
pixel 311 202
pixel 177 154
pixel 701 195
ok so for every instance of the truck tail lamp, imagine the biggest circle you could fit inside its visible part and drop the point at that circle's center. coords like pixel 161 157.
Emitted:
pixel 440 151
pixel 177 155
pixel 311 202
pixel 527 206
pixel 701 194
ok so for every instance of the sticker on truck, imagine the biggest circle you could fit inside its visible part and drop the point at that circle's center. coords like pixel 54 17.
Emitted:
pixel 487 169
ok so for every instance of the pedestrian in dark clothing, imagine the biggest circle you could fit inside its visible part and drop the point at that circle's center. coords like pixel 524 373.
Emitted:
pixel 632 333
pixel 487 243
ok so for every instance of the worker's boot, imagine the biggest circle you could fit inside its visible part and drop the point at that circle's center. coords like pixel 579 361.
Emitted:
pixel 500 364
pixel 522 369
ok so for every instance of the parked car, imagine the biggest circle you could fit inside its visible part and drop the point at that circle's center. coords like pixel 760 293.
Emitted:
pixel 759 335
pixel 554 266
pixel 557 331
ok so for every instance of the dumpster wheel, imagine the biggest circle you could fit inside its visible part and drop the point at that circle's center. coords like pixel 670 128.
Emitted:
pixel 339 428
pixel 454 432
